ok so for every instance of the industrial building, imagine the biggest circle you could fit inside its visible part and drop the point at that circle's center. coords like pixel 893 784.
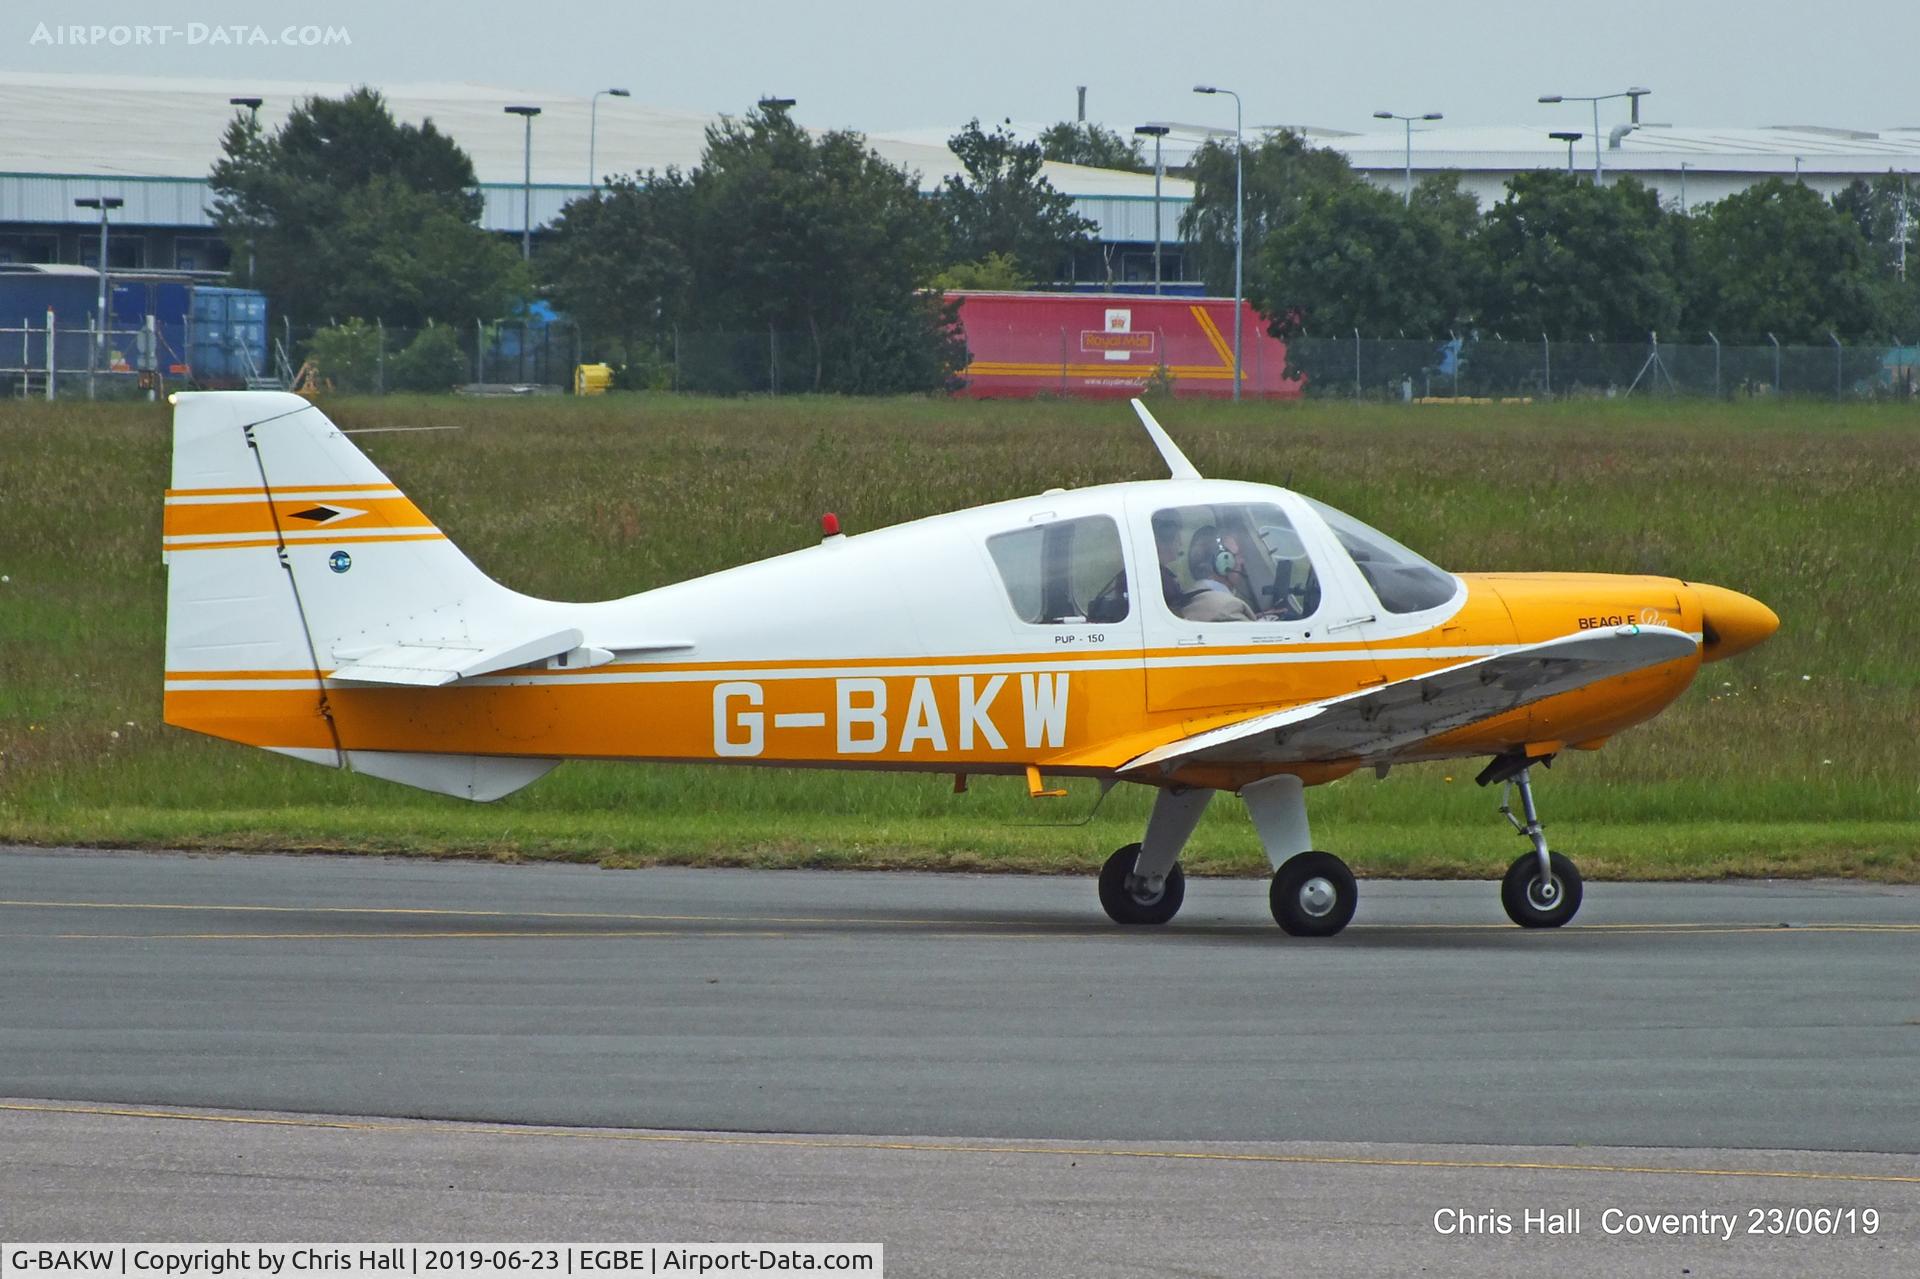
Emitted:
pixel 151 143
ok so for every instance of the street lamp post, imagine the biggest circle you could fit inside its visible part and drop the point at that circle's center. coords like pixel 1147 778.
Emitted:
pixel 1388 115
pixel 526 183
pixel 593 130
pixel 1569 139
pixel 253 124
pixel 1239 223
pixel 1683 188
pixel 1634 95
pixel 1156 132
pixel 102 203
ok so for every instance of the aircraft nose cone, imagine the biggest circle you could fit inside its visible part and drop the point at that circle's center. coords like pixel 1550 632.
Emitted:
pixel 1732 622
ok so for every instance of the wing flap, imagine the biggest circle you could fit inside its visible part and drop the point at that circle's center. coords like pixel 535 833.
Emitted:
pixel 1377 721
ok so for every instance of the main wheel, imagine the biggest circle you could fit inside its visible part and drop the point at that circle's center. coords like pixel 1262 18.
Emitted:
pixel 1127 900
pixel 1313 895
pixel 1533 903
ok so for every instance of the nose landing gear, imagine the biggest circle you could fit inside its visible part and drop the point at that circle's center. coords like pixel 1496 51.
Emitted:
pixel 1541 889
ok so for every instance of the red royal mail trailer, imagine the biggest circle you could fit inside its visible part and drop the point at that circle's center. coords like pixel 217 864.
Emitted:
pixel 1113 344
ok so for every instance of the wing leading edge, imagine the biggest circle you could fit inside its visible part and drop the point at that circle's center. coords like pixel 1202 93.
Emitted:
pixel 1378 721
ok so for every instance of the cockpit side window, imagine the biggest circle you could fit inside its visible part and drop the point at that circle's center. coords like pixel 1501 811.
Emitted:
pixel 1404 581
pixel 1064 573
pixel 1234 562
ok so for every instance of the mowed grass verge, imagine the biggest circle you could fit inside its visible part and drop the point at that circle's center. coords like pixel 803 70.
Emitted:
pixel 1801 758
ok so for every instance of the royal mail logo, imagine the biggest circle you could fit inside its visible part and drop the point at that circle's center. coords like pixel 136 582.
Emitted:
pixel 1117 341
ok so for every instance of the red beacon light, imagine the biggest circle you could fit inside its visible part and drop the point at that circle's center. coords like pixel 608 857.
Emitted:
pixel 829 525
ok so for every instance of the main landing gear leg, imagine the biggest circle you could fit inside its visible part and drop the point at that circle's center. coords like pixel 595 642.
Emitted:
pixel 1143 883
pixel 1313 894
pixel 1542 889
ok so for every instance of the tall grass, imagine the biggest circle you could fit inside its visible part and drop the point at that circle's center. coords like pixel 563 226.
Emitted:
pixel 1801 756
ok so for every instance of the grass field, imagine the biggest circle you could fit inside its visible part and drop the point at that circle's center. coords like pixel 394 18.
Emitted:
pixel 1800 758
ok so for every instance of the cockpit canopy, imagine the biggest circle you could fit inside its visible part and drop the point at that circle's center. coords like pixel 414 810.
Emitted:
pixel 1243 560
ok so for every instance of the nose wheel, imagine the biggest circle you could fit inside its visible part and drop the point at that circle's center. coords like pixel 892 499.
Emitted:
pixel 1536 901
pixel 1541 889
pixel 1313 895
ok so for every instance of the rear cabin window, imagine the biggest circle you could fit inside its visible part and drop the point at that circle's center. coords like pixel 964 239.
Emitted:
pixel 1063 573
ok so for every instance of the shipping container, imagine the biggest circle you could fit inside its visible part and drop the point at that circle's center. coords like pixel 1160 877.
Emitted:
pixel 205 334
pixel 1115 345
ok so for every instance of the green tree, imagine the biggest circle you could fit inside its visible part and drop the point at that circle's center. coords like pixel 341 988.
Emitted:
pixel 1875 208
pixel 619 262
pixel 1563 256
pixel 433 361
pixel 1097 147
pixel 349 212
pixel 813 234
pixel 995 272
pixel 1282 170
pixel 1352 256
pixel 1003 204
pixel 1778 258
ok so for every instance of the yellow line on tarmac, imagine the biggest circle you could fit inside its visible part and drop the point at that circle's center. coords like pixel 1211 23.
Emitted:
pixel 953 927
pixel 950 1147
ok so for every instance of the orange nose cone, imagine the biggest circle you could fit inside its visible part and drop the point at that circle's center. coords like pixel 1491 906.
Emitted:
pixel 1732 622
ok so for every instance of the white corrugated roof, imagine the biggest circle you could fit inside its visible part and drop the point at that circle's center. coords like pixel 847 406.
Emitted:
pixel 130 126
pixel 1648 147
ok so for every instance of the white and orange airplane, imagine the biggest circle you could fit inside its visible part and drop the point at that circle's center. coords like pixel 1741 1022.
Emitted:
pixel 1188 634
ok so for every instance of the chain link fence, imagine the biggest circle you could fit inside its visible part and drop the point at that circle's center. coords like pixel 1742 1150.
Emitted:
pixel 1455 368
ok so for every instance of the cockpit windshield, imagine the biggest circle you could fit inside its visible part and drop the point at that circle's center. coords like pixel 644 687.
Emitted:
pixel 1404 581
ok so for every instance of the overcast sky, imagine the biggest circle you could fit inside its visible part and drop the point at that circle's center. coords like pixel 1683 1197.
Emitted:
pixel 891 64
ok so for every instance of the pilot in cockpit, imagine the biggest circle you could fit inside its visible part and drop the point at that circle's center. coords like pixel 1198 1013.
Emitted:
pixel 1219 577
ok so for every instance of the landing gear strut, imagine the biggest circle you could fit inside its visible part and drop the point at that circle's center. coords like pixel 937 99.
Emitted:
pixel 1542 889
pixel 1143 883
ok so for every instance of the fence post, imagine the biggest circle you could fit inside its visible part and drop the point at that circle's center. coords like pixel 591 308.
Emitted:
pixel 52 364
pixel 1546 357
pixel 1716 363
pixel 479 351
pixel 1356 365
pixel 93 352
pixel 1838 391
pixel 380 358
pixel 150 358
pixel 1776 362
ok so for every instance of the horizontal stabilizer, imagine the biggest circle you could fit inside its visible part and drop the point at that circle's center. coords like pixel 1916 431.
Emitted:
pixel 1376 722
pixel 429 664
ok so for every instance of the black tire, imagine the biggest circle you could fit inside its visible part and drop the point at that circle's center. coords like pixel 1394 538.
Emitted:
pixel 1313 895
pixel 1126 906
pixel 1519 892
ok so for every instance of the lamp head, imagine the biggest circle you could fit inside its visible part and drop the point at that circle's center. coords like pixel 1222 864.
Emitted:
pixel 1433 115
pixel 251 104
pixel 528 112
pixel 1552 97
pixel 1204 88
pixel 1385 115
pixel 619 93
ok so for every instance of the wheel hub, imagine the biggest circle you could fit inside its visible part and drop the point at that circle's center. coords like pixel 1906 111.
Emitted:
pixel 1144 890
pixel 1317 897
pixel 1544 894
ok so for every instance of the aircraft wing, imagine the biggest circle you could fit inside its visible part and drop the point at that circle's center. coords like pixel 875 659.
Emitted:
pixel 1378 721
pixel 432 663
